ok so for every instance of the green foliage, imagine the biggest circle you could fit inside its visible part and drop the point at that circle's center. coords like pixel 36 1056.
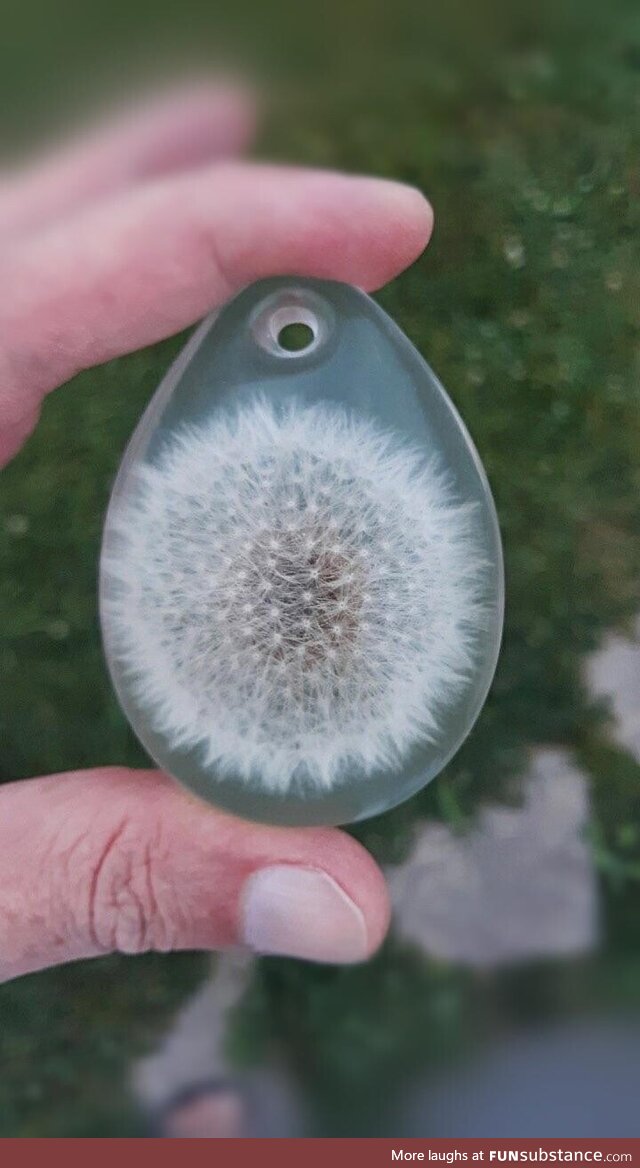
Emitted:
pixel 350 1034
pixel 522 127
pixel 67 1036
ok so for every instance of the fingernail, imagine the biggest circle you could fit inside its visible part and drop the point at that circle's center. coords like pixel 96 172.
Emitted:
pixel 300 912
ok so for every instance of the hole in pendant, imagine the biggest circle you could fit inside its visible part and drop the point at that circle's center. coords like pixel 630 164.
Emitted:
pixel 292 323
pixel 296 337
pixel 293 329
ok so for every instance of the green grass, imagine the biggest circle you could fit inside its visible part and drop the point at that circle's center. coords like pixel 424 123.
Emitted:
pixel 523 130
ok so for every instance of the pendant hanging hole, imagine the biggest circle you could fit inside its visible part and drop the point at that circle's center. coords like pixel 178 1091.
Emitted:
pixel 296 337
pixel 294 329
pixel 292 323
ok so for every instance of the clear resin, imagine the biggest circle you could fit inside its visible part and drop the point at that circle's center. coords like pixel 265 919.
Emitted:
pixel 301 578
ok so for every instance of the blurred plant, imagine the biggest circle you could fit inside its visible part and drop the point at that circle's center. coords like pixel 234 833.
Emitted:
pixel 522 126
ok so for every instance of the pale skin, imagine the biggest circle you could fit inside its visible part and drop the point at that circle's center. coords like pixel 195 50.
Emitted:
pixel 109 245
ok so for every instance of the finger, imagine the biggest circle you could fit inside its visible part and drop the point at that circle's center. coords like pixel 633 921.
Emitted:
pixel 178 131
pixel 114 860
pixel 153 262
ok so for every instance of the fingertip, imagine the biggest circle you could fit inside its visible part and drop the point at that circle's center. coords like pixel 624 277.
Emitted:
pixel 324 899
pixel 404 227
pixel 227 108
pixel 186 127
pixel 364 881
pixel 354 228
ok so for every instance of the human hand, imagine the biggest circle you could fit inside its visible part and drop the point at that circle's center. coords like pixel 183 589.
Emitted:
pixel 106 247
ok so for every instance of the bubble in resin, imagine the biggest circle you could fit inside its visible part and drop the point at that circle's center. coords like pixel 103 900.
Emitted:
pixel 295 599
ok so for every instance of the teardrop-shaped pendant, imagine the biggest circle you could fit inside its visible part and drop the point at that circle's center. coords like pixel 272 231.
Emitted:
pixel 301 578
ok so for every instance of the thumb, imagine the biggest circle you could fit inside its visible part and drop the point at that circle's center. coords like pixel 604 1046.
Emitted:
pixel 107 860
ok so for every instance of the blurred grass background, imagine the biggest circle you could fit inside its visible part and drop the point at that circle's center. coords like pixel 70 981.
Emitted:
pixel 521 124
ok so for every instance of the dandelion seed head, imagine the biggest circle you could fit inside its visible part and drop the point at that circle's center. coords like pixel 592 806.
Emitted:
pixel 251 621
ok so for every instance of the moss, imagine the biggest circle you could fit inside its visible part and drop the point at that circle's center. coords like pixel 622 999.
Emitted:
pixel 521 124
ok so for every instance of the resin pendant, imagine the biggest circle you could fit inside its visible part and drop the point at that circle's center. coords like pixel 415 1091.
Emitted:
pixel 301 578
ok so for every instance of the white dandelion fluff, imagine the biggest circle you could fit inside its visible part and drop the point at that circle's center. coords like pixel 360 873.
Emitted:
pixel 296 592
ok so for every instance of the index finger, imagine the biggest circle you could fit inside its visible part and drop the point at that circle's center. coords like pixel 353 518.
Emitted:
pixel 129 273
